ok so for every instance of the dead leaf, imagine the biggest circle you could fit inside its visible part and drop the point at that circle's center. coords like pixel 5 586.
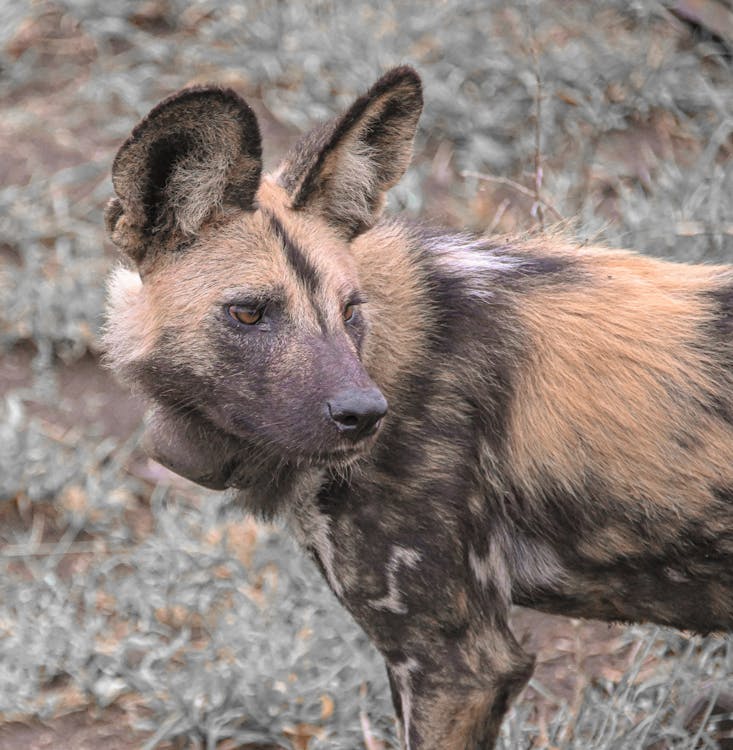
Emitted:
pixel 327 707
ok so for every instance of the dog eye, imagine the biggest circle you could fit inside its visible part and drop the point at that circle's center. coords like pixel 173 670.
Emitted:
pixel 348 312
pixel 245 315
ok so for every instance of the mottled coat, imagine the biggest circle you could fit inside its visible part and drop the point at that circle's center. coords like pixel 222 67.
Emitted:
pixel 449 423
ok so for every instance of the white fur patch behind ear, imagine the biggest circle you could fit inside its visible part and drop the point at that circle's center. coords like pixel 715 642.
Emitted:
pixel 130 330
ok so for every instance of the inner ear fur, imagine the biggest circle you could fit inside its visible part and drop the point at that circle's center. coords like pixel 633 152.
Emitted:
pixel 344 168
pixel 196 153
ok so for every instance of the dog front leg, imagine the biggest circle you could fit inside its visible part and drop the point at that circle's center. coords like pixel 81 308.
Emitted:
pixel 442 703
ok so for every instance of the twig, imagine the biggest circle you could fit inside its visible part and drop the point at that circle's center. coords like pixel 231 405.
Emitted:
pixel 500 211
pixel 515 186
pixel 370 741
pixel 52 549
pixel 37 526
pixel 578 686
pixel 696 228
pixel 537 207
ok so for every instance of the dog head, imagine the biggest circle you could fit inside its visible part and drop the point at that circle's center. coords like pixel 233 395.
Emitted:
pixel 243 322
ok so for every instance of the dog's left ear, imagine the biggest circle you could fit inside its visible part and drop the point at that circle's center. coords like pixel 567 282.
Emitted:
pixel 343 169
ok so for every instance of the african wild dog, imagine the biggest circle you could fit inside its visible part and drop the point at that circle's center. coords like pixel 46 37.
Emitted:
pixel 560 424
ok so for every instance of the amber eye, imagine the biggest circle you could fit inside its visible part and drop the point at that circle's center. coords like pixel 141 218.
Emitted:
pixel 348 313
pixel 245 315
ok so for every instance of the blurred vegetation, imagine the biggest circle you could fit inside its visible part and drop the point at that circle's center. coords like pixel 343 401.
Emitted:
pixel 121 587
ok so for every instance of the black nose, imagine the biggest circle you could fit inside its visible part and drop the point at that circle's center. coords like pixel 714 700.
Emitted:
pixel 357 411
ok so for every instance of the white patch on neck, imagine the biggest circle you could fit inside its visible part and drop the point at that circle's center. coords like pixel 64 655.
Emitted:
pixel 402 674
pixel 491 569
pixel 312 528
pixel 516 563
pixel 393 602
pixel 470 258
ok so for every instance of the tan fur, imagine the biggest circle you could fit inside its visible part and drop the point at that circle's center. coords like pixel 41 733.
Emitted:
pixel 596 390
pixel 392 349
pixel 179 292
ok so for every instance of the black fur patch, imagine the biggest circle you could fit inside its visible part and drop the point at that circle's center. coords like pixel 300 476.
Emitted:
pixel 550 267
pixel 304 269
pixel 398 463
pixel 723 320
pixel 163 156
pixel 721 407
pixel 458 323
pixel 725 495
pixel 396 697
pixel 718 331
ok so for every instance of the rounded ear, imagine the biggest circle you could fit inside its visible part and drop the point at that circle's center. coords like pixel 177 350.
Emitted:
pixel 344 168
pixel 196 153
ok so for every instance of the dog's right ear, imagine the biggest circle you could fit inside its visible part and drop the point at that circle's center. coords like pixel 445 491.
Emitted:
pixel 197 154
pixel 343 168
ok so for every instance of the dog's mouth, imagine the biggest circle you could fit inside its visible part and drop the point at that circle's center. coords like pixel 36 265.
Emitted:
pixel 347 454
pixel 342 457
pixel 235 476
pixel 238 472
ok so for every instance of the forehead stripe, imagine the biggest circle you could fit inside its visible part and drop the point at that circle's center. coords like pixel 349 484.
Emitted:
pixel 303 268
